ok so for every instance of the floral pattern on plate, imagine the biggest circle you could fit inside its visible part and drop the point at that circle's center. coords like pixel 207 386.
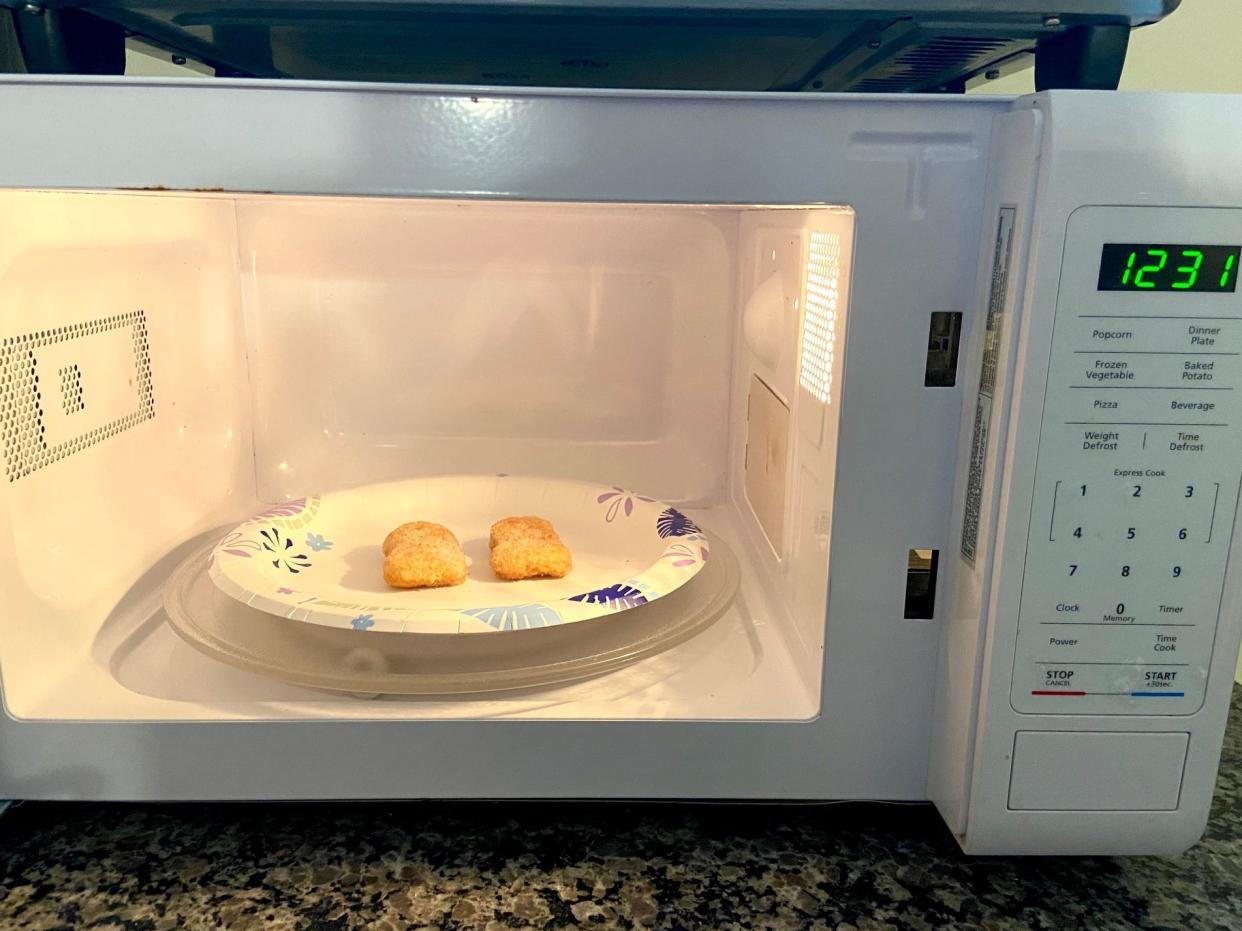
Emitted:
pixel 685 554
pixel 616 597
pixel 316 542
pixel 621 500
pixel 673 523
pixel 516 617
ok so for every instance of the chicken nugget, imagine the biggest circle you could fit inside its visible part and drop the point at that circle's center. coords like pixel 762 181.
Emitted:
pixel 418 531
pixel 432 564
pixel 521 528
pixel 528 548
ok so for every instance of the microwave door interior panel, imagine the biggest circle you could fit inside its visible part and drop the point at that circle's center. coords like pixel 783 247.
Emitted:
pixel 895 440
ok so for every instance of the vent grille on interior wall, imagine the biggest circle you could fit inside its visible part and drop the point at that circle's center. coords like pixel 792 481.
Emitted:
pixel 819 324
pixel 104 371
pixel 927 66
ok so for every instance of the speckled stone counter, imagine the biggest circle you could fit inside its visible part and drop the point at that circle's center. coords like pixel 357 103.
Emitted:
pixel 331 867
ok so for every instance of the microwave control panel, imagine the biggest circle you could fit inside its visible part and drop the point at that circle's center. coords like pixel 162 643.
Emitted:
pixel 1137 477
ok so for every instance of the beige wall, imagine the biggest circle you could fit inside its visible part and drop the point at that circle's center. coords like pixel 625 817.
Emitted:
pixel 1198 48
pixel 146 61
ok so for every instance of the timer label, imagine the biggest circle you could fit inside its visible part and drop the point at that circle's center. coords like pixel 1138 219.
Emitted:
pixel 1001 257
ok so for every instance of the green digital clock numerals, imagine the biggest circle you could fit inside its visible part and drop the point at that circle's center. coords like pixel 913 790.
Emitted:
pixel 1165 267
pixel 1151 268
pixel 1191 271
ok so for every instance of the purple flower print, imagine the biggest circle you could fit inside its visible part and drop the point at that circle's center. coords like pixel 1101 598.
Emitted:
pixel 683 554
pixel 620 500
pixel 284 509
pixel 234 545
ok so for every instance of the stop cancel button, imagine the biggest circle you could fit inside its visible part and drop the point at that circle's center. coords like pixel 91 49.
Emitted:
pixel 1097 771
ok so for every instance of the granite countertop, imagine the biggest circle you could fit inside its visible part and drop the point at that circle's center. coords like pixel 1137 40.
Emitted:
pixel 494 866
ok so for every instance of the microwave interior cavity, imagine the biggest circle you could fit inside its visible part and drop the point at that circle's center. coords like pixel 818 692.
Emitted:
pixel 173 362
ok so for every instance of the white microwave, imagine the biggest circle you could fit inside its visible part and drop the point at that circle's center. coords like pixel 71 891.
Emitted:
pixel 998 579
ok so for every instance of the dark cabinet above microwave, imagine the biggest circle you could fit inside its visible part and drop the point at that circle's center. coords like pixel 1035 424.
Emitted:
pixel 763 45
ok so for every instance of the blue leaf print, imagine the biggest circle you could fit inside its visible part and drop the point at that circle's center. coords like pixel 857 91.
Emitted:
pixel 673 523
pixel 362 622
pixel 316 542
pixel 516 617
pixel 617 597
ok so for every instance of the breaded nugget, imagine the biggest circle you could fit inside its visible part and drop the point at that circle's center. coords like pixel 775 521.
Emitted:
pixel 540 560
pixel 521 528
pixel 423 555
pixel 528 548
pixel 418 531
pixel 425 565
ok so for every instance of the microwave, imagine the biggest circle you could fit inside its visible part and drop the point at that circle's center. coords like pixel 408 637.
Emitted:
pixel 949 384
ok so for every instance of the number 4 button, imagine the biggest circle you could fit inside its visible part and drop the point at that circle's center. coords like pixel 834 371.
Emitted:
pixel 1068 498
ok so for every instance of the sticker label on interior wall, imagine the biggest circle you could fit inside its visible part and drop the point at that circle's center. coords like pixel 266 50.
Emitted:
pixel 67 388
pixel 767 457
pixel 1001 256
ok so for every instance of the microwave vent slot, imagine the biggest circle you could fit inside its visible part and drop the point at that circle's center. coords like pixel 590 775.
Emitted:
pixel 819 321
pixel 932 64
pixel 103 369
pixel 71 389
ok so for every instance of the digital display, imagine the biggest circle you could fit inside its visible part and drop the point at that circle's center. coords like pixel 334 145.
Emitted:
pixel 1168 267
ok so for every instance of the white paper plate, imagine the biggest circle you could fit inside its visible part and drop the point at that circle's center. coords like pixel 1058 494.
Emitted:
pixel 370 664
pixel 318 559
